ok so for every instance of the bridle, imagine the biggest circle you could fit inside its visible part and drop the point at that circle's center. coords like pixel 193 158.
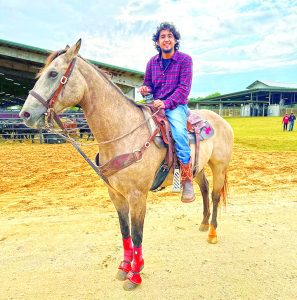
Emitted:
pixel 50 114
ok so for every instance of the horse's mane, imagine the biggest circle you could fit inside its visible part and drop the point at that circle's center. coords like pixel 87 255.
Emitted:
pixel 55 54
pixel 108 80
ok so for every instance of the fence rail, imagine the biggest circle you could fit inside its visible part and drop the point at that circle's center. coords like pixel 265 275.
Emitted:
pixel 13 129
pixel 288 110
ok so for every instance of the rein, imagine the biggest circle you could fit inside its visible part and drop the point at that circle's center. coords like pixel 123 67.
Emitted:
pixel 126 134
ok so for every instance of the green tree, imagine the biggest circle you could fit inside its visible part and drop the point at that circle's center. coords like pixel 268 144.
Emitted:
pixel 216 94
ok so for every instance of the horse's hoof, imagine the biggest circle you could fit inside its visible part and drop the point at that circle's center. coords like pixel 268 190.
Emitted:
pixel 121 275
pixel 129 286
pixel 212 239
pixel 204 227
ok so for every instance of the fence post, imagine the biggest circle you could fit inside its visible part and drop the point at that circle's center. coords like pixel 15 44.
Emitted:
pixel 40 136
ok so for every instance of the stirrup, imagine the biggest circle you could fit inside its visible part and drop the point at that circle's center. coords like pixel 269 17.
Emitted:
pixel 176 186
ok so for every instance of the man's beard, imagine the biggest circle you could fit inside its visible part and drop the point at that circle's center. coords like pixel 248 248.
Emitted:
pixel 167 51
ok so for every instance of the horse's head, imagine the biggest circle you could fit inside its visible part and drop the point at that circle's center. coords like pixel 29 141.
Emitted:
pixel 59 85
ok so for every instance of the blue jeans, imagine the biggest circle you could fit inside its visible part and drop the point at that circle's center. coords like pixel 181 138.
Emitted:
pixel 291 126
pixel 178 123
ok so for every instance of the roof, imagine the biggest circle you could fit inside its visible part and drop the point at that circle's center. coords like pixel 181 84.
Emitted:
pixel 19 64
pixel 260 89
pixel 272 84
pixel 47 52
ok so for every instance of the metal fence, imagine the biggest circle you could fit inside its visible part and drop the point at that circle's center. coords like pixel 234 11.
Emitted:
pixel 228 112
pixel 12 128
pixel 288 110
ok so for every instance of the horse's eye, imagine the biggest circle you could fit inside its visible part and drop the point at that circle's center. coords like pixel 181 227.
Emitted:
pixel 53 74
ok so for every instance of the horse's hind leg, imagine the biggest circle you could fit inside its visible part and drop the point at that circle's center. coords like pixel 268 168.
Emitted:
pixel 204 188
pixel 122 207
pixel 219 182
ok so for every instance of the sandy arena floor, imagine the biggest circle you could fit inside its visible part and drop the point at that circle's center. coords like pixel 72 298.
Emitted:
pixel 60 238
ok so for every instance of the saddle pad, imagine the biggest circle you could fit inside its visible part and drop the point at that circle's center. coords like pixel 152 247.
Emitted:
pixel 205 133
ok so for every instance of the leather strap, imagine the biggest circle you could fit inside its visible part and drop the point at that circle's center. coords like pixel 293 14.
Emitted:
pixel 163 124
pixel 94 167
pixel 197 149
pixel 39 98
pixel 63 81
pixel 125 160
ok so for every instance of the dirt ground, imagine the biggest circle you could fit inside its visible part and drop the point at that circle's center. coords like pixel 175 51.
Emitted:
pixel 60 238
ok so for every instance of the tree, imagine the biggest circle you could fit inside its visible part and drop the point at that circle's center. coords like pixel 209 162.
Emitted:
pixel 216 94
pixel 193 100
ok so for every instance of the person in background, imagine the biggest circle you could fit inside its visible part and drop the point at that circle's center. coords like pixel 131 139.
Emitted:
pixel 292 119
pixel 285 122
pixel 168 77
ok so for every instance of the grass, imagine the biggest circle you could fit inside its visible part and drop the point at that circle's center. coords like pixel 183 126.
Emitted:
pixel 263 134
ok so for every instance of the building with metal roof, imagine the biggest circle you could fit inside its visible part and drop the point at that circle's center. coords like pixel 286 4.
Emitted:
pixel 20 63
pixel 261 98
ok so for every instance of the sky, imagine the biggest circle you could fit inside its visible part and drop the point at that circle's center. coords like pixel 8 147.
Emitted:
pixel 232 42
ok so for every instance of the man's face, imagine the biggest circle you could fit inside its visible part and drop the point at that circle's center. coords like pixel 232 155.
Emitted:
pixel 166 41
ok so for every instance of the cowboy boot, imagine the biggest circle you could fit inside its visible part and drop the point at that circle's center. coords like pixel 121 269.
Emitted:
pixel 188 194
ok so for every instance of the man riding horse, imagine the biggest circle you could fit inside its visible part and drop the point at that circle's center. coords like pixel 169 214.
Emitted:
pixel 168 77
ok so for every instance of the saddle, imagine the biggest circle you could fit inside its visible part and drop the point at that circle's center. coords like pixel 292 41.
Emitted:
pixel 198 130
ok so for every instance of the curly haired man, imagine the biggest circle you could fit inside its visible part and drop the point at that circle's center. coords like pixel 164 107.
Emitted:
pixel 168 77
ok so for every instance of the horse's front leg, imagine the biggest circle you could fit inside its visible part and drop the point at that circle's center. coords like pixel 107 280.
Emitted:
pixel 137 210
pixel 122 207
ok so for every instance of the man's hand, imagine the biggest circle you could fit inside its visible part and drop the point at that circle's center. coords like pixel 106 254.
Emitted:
pixel 158 104
pixel 144 90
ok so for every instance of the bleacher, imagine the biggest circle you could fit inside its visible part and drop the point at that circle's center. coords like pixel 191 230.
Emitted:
pixel 12 128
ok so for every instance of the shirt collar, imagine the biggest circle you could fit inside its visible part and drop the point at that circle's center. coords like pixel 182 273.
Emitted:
pixel 173 57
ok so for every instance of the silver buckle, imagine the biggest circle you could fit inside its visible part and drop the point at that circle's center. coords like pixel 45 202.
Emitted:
pixel 63 80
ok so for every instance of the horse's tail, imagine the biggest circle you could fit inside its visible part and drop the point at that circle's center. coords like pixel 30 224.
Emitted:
pixel 224 192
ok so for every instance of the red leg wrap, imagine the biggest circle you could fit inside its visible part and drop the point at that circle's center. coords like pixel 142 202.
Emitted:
pixel 125 265
pixel 138 261
pixel 128 249
pixel 137 266
pixel 134 277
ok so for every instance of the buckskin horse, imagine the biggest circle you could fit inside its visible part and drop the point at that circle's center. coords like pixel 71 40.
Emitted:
pixel 112 118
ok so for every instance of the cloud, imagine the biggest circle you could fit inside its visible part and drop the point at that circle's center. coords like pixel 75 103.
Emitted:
pixel 223 37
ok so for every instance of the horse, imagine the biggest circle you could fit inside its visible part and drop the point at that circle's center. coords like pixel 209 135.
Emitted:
pixel 112 118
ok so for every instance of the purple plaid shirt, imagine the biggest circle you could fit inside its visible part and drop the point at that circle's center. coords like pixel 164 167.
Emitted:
pixel 173 84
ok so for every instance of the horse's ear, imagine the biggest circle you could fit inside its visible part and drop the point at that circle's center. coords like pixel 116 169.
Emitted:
pixel 67 47
pixel 73 51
